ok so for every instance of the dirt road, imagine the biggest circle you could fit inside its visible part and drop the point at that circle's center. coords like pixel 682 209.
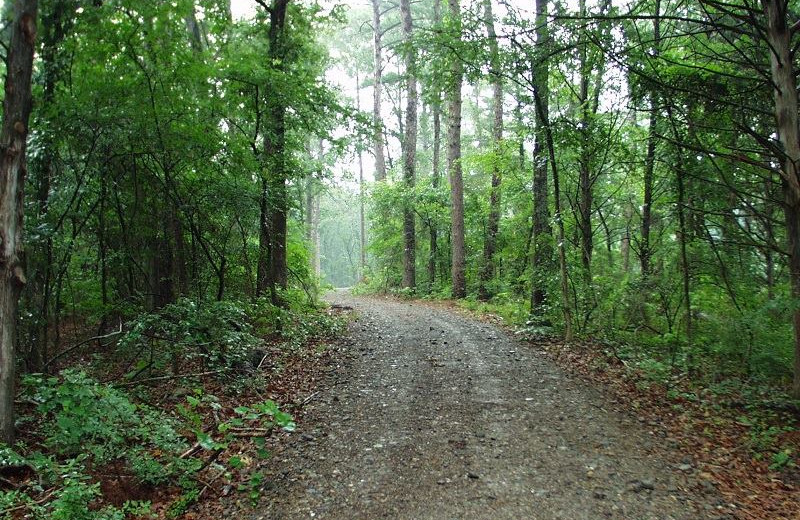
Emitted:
pixel 438 416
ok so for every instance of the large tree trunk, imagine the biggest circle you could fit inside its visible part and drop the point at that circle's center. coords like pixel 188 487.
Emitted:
pixel 458 263
pixel 275 155
pixel 13 142
pixel 542 233
pixel 377 119
pixel 409 149
pixel 645 251
pixel 544 128
pixel 493 225
pixel 786 118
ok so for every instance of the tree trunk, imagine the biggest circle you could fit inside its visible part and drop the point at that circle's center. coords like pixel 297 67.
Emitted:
pixel 543 120
pixel 275 155
pixel 493 225
pixel 542 233
pixel 309 218
pixel 436 165
pixel 377 119
pixel 362 241
pixel 625 246
pixel 458 264
pixel 262 262
pixel 409 149
pixel 362 227
pixel 312 219
pixel 786 118
pixel 645 247
pixel 683 234
pixel 13 143
pixel 585 181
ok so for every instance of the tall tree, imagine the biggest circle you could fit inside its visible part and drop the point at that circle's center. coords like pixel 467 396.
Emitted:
pixel 782 52
pixel 362 228
pixel 457 234
pixel 276 158
pixel 377 88
pixel 493 224
pixel 645 243
pixel 13 144
pixel 409 148
pixel 542 233
pixel 436 110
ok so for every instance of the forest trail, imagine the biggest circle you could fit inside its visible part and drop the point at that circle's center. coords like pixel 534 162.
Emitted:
pixel 439 416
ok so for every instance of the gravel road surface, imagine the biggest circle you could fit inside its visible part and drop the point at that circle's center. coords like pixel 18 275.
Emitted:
pixel 433 415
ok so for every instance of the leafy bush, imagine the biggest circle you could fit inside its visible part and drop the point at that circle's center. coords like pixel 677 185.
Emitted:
pixel 81 416
pixel 72 494
pixel 84 425
pixel 295 324
pixel 217 333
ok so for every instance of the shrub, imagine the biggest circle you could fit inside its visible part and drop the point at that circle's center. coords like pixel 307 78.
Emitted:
pixel 84 425
pixel 217 333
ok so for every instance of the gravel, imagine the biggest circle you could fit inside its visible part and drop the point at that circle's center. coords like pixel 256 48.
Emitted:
pixel 436 416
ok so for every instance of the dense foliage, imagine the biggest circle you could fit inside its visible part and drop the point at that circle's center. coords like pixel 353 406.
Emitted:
pixel 645 135
pixel 172 162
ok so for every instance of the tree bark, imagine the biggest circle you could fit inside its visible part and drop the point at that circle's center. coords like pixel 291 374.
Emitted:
pixel 262 262
pixel 458 263
pixel 377 119
pixel 545 130
pixel 409 149
pixel 275 155
pixel 435 166
pixel 683 234
pixel 784 80
pixel 493 224
pixel 13 142
pixel 542 233
pixel 312 219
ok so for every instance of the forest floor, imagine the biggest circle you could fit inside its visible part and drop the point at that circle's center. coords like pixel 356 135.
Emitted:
pixel 435 415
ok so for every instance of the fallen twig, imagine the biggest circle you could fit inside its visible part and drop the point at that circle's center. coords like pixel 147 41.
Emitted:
pixel 20 507
pixel 207 485
pixel 307 400
pixel 191 451
pixel 82 343
pixel 175 376
pixel 255 433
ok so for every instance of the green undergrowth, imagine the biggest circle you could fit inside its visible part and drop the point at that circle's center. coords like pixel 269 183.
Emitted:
pixel 170 421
